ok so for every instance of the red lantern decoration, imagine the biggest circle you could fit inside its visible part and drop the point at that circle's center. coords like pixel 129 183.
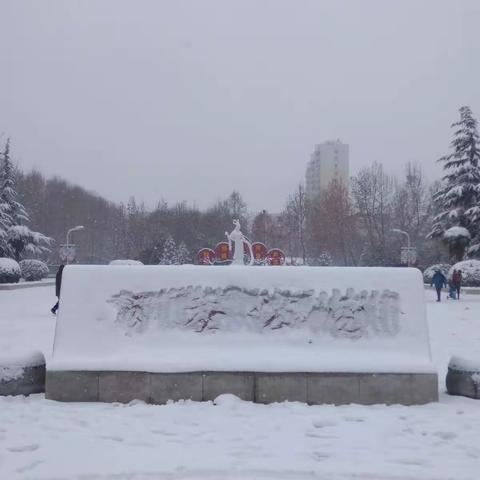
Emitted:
pixel 222 252
pixel 259 253
pixel 206 256
pixel 275 257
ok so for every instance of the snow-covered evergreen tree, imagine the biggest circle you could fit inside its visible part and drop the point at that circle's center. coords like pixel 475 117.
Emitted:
pixel 16 239
pixel 5 219
pixel 324 259
pixel 183 254
pixel 169 255
pixel 8 195
pixel 25 243
pixel 458 199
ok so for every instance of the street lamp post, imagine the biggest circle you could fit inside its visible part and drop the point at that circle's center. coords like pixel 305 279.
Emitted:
pixel 74 229
pixel 403 232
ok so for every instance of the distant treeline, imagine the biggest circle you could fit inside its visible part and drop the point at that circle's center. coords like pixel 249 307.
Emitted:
pixel 344 227
pixel 121 231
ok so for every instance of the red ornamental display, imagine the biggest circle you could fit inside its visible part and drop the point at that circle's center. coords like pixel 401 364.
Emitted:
pixel 259 252
pixel 206 256
pixel 222 252
pixel 275 257
pixel 223 255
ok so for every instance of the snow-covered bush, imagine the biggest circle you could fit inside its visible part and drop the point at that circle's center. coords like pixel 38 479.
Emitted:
pixel 33 270
pixel 324 259
pixel 457 234
pixel 430 271
pixel 9 270
pixel 183 254
pixel 125 262
pixel 470 272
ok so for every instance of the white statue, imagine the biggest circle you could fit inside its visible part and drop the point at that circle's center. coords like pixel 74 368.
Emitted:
pixel 238 239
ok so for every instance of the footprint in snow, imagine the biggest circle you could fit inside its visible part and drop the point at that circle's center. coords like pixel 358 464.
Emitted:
pixel 29 466
pixel 323 436
pixel 141 444
pixel 324 423
pixel 411 461
pixel 81 423
pixel 472 453
pixel 354 419
pixel 24 448
pixel 111 437
pixel 320 456
pixel 445 435
pixel 163 432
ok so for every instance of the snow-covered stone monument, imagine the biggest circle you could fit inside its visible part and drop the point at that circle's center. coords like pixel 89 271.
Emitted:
pixel 316 335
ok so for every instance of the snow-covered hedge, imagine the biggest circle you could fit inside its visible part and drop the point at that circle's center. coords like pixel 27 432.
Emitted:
pixel 430 271
pixel 470 272
pixel 33 270
pixel 125 262
pixel 9 270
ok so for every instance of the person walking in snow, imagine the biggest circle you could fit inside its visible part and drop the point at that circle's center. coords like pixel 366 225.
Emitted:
pixel 457 281
pixel 58 286
pixel 439 281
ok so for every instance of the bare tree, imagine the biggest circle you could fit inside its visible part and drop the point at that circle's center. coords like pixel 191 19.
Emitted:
pixel 294 219
pixel 264 229
pixel 373 193
pixel 334 225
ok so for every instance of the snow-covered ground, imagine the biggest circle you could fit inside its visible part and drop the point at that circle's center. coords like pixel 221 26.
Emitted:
pixel 41 439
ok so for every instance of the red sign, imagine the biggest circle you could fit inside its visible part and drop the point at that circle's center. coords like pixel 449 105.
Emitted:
pixel 259 252
pixel 222 252
pixel 275 257
pixel 206 256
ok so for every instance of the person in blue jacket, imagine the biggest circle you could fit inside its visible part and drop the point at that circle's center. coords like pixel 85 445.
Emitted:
pixel 439 281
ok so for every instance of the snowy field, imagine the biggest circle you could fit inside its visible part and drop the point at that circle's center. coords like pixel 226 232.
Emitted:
pixel 41 439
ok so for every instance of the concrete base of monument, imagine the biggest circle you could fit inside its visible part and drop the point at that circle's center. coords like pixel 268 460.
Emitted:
pixel 311 388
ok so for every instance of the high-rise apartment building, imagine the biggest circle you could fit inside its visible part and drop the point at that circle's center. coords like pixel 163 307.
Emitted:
pixel 329 161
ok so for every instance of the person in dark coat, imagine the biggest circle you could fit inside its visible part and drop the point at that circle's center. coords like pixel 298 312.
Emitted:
pixel 58 286
pixel 457 281
pixel 439 281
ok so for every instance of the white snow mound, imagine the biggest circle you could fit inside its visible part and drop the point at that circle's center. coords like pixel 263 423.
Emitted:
pixel 456 232
pixel 12 366
pixel 464 364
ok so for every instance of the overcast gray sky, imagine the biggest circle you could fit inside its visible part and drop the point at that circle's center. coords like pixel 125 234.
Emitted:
pixel 192 99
